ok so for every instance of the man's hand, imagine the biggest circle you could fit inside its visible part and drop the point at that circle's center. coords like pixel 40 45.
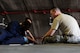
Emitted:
pixel 42 39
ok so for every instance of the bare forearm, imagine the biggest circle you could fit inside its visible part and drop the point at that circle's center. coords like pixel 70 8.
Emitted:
pixel 48 33
pixel 31 35
pixel 31 39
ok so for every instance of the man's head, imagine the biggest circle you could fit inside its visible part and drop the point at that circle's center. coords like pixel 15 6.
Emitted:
pixel 55 12
pixel 27 23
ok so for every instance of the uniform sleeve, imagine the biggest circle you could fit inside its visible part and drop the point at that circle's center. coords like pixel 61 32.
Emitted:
pixel 55 24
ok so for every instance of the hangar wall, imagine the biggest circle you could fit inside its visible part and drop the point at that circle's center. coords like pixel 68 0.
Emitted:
pixel 35 9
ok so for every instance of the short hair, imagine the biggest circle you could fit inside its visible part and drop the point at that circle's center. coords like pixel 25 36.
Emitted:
pixel 27 18
pixel 55 9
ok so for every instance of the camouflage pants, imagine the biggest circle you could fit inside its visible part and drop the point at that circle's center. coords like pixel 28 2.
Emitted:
pixel 55 39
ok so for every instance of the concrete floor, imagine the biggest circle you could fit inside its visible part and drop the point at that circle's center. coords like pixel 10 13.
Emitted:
pixel 46 48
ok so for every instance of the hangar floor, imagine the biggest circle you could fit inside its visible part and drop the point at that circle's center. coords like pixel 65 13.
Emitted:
pixel 46 48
